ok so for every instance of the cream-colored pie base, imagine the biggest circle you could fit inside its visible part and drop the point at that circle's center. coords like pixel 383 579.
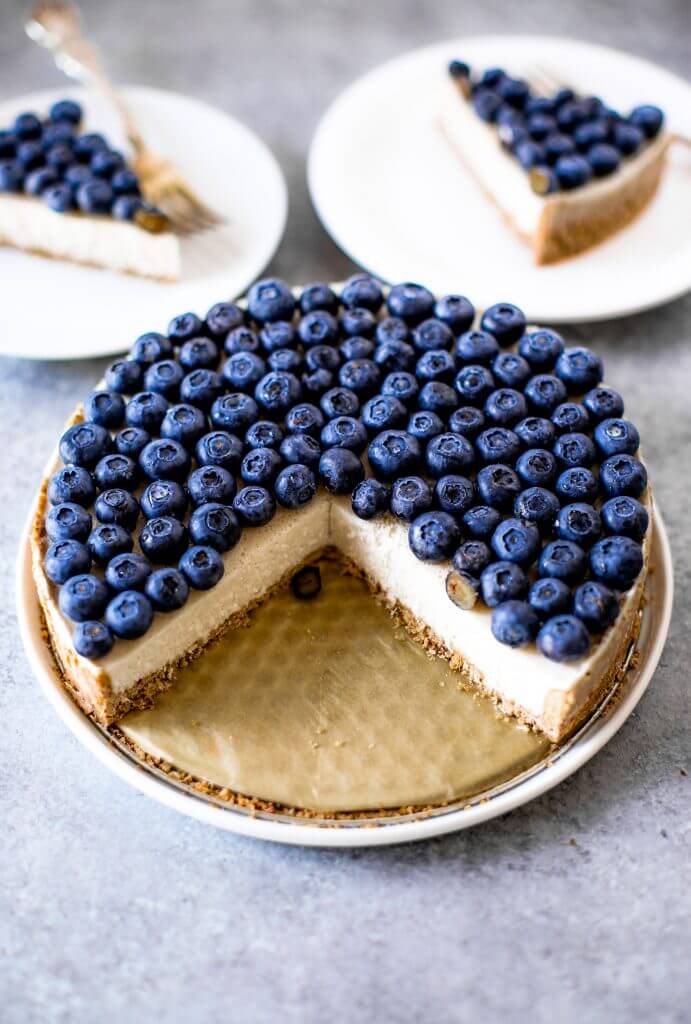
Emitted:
pixel 29 224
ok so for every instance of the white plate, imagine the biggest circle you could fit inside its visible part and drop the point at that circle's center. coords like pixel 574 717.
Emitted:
pixel 395 198
pixel 56 310
pixel 600 728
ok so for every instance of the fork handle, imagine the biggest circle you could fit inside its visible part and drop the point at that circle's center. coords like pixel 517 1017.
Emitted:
pixel 77 58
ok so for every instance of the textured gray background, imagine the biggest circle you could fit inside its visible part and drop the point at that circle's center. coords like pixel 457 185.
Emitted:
pixel 574 908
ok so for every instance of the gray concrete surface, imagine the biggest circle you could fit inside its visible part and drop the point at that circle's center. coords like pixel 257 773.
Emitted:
pixel 575 908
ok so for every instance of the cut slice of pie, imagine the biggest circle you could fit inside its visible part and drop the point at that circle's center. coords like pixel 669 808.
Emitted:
pixel 484 482
pixel 565 172
pixel 66 194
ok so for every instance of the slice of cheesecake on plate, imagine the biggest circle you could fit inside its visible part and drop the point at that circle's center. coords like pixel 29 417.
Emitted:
pixel 565 171
pixel 66 194
pixel 484 482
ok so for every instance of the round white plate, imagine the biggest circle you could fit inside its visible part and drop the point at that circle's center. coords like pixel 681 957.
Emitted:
pixel 600 728
pixel 392 194
pixel 57 310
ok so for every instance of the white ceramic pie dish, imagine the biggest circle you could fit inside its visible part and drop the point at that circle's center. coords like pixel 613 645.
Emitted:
pixel 597 731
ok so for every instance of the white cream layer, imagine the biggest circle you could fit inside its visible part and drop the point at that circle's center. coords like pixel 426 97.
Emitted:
pixel 28 223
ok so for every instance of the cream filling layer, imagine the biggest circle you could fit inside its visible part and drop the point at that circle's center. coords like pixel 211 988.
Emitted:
pixel 500 174
pixel 28 223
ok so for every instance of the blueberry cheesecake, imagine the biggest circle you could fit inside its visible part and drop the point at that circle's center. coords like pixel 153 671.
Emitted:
pixel 478 472
pixel 565 171
pixel 66 193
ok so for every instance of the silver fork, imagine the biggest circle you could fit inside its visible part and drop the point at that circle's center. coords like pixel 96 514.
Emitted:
pixel 57 26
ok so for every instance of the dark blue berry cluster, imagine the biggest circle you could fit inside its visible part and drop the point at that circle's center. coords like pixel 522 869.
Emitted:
pixel 71 170
pixel 500 447
pixel 563 140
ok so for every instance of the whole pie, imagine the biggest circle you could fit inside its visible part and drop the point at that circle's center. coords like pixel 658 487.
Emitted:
pixel 67 194
pixel 478 472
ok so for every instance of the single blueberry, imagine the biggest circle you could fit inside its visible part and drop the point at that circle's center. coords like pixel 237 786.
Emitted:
pixel 66 110
pixel 164 498
pixel 260 466
pixel 301 449
pixel 211 483
pixel 150 348
pixel 410 302
pixel 318 328
pixel 243 370
pixel 234 412
pixel 564 638
pixel 84 444
pixel 591 133
pixel 503 581
pixel 506 406
pixel 580 369
pixel 202 567
pixel 339 402
pixel 435 365
pixel 318 296
pixel 435 396
pixel 357 322
pixel 563 560
pixel 30 155
pixel 539 506
pixel 474 384
pixel 243 339
pixel 575 450
pixel 83 597
pixel 37 181
pixel 167 589
pixel 165 378
pixel 71 484
pixel 486 104
pixel 165 459
pixel 394 453
pixel 402 385
pixel 603 159
pixel 648 118
pixel 92 640
pixel 58 197
pixel 394 355
pixel 199 354
pixel 454 493
pixel 603 403
pixel 449 453
pixel 425 424
pixel 201 388
pixel 322 357
pixel 472 557
pixel 580 523
pixel 269 300
pixel 540 125
pixel 498 486
pixel 481 521
pixel 432 335
pixel 274 336
pixel 536 432
pixel 116 505
pixel 128 571
pixel 105 162
pixel 549 597
pixel 254 506
pixel 146 409
pixel 536 467
pixel 222 318
pixel 616 561
pixel 625 515
pixel 467 421
pixel 577 485
pixel 391 328
pixel 572 171
pixel 68 521
pixel 364 291
pixel 622 474
pixel 541 348
pixel 498 444
pixel 383 412
pixel 66 558
pixel 94 197
pixel 514 623
pixel 125 182
pixel 295 485
pixel 511 370
pixel 456 311
pixel 108 540
pixel 305 418
pixel 505 321
pixel 184 327
pixel 117 470
pixel 277 392
pixel 516 540
pixel 340 470
pixel 529 154
pixel 616 437
pixel 478 348
pixel 124 376
pixel 371 498
pixel 595 605
pixel 410 496
pixel 315 383
pixel 163 539
pixel 131 441
pixel 87 144
pixel 129 614
pixel 558 145
pixel 361 376
pixel 433 536
pixel 264 434
pixel 462 588
pixel 545 392
pixel 219 448
pixel 184 424
pixel 570 417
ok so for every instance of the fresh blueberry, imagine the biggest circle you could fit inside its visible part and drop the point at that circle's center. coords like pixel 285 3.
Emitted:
pixel 462 588
pixel 116 505
pixel 295 485
pixel 83 597
pixel 410 496
pixel 529 154
pixel 125 183
pixel 76 175
pixel 459 69
pixel 549 597
pixel 184 424
pixel 382 413
pixel 340 470
pixel 301 449
pixel 94 197
pixel 184 327
pixel 219 448
pixel 433 536
pixel 163 539
pixel 575 450
pixel 595 605
pixel 558 145
pixel 164 498
pixel 570 115
pixel 622 474
pixel 30 155
pixel 37 181
pixel 201 388
pixel 164 377
pixel 108 540
pixel 129 614
pixel 127 572
pixel 361 376
pixel 572 171
pixel 344 432
pixel 58 197
pixel 254 506
pixel 72 484
pixel 541 348
pixel 449 453
pixel 505 406
pixel 580 523
pixel 616 560
pixel 648 118
pixel 11 176
pixel 105 162
pixel 165 459
pixel 222 318
pixel 66 110
pixel 536 467
pixel 603 159
pixel 167 589
pixel 539 506
pixel 589 134
pixel 305 418
pixel 511 370
pixel 84 444
pixel 514 623
pixel 202 567
pixel 467 421
pixel 339 402
pixel 455 311
pixel 486 103
pixel 150 348
pixel 282 360
pixel 402 385
pixel 432 335
pixel 260 466
pixel 626 516
pixel 124 377
pixel 357 323
pixel 481 521
pixel 277 392
pixel 146 410
pixel 577 485
pixel 536 432
pixel 371 498
pixel 410 302
pixel 92 640
pixel 516 540
pixel 66 558
pixel 514 91
pixel 243 370
pixel 603 403
pixel 391 328
pixel 477 348
pixel 563 560
pixel 435 365
pixel 264 434
pixel 234 412
pixel 570 417
pixel 503 581
pixel 318 328
pixel 394 453
pixel 435 396
pixel 274 336
pixel 454 493
pixel 87 144
pixel 545 392
pixel 315 383
pixel 505 322
pixel 498 444
pixel 210 483
pixel 8 144
pixel 269 300
pixel 362 290
pixel 117 470
pixel 498 486
pixel 131 441
pixel 580 369
pixel 564 638
pixel 616 437
pixel 394 355
pixel 474 384
pixel 199 354
pixel 540 125
pixel 318 296
pixel 425 425
pixel 472 557
pixel 322 357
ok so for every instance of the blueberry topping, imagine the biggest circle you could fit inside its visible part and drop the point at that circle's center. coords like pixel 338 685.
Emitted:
pixel 516 540
pixel 129 614
pixel 541 348
pixel 340 470
pixel 549 597
pixel 570 417
pixel 295 485
pixel 371 498
pixel 117 505
pixel 260 466
pixel 394 453
pixel 128 571
pixel 595 605
pixel 564 638
pixel 84 444
pixel 616 437
pixel 124 376
pixel 474 384
pixel 94 197
pixel 305 418
pixel 498 444
pixel 503 581
pixel 622 474
pixel 432 335
pixel 514 623
pixel 481 521
pixel 433 536
pixel 536 467
pixel 577 485
pixel 545 392
pixel 467 421
pixel 462 588
pixel 72 484
pixel 505 322
pixel 340 402
pixel 648 119
pixel 165 459
pixel 364 291
pixel 243 339
pixel 626 516
pixel 66 558
pixel 498 485
pixel 411 302
pixel 382 413
pixel 83 597
pixel 164 498
pixel 301 449
pixel 426 424
pixel 254 505
pixel 563 560
pixel 617 561
pixel 603 403
pixel 201 388
pixel 108 540
pixel 580 523
pixel 222 318
pixel 184 424
pixel 167 589
pixel 454 494
pixel 575 450
pixel 269 300
pixel 318 296
pixel 402 385
pixel 277 392
pixel 511 370
pixel 219 448
pixel 410 496
pixel 505 406
pixel 603 159
pixel 66 110
pixel 68 521
pixel 344 432
pixel 182 328
pixel 164 377
pixel 93 640
pixel 150 348
pixel 202 567
pixel 361 376
pixel 449 453
pixel 163 539
pixel 536 432
pixel 264 434
pixel 456 311
pixel 580 369
pixel 146 410
pixel 539 506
